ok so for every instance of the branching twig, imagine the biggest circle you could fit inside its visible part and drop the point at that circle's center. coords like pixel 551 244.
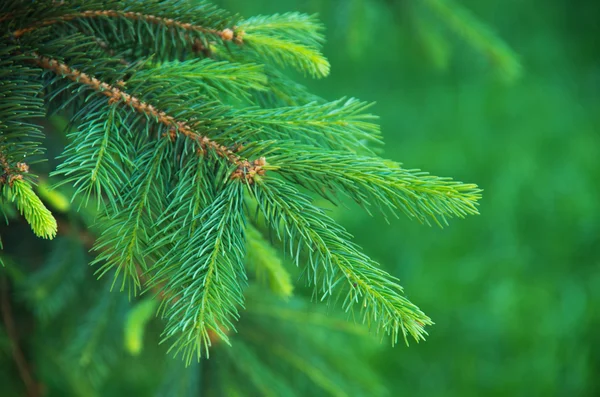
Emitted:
pixel 246 170
pixel 225 34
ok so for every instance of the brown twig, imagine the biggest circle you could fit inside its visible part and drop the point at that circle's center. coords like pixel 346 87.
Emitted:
pixel 33 388
pixel 245 171
pixel 6 16
pixel 4 163
pixel 225 34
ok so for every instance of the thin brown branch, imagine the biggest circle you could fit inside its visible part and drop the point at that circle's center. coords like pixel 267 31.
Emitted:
pixel 4 163
pixel 6 16
pixel 246 170
pixel 225 34
pixel 32 387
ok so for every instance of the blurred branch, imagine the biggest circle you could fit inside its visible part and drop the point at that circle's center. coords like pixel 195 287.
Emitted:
pixel 33 388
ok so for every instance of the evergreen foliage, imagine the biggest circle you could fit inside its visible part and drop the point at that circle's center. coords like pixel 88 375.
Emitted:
pixel 189 146
pixel 477 34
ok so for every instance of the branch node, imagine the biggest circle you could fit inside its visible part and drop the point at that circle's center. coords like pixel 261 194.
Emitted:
pixel 248 171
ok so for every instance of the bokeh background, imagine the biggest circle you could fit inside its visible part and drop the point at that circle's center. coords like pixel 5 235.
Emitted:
pixel 514 292
pixel 505 94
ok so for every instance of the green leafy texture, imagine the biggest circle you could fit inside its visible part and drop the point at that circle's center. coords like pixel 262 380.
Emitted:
pixel 342 124
pixel 20 140
pixel 462 22
pixel 175 220
pixel 31 207
pixel 334 260
pixel 49 290
pixel 203 294
pixel 193 192
pixel 133 30
pixel 95 161
pixel 210 78
pixel 263 258
pixel 283 91
pixel 288 39
pixel 282 350
pixel 3 215
pixel 135 325
pixel 96 342
pixel 374 181
pixel 252 368
pixel 122 243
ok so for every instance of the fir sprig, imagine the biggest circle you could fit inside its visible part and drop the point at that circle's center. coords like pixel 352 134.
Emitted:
pixel 180 115
pixel 31 207
pixel 334 261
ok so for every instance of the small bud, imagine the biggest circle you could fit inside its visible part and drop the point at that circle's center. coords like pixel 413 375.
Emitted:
pixel 22 167
pixel 260 162
pixel 227 34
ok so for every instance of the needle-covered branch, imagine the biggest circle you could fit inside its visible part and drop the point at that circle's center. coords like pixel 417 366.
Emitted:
pixel 373 181
pixel 334 262
pixel 181 122
pixel 119 96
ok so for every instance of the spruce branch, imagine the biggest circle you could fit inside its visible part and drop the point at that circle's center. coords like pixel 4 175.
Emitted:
pixel 245 170
pixel 342 124
pixel 127 232
pixel 225 34
pixel 268 266
pixel 334 261
pixel 209 77
pixel 162 141
pixel 290 38
pixel 95 161
pixel 375 181
pixel 207 278
pixel 17 189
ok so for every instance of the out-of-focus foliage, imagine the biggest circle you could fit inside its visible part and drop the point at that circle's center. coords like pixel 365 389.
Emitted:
pixel 515 292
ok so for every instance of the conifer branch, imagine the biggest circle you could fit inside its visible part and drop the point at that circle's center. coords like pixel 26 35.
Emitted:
pixel 6 17
pixel 173 156
pixel 246 169
pixel 15 188
pixel 225 34
pixel 334 261
pixel 31 207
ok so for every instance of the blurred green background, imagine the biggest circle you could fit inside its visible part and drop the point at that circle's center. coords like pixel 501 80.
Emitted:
pixel 513 292
pixel 505 95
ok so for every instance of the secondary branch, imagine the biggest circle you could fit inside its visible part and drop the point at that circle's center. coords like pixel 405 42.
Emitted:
pixel 246 169
pixel 225 34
